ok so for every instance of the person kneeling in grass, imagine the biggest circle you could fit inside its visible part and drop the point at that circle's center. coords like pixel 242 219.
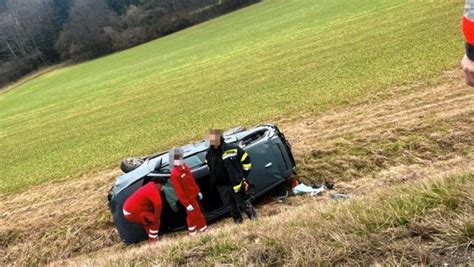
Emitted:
pixel 144 207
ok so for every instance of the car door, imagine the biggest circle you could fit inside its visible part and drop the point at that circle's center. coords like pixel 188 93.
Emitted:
pixel 283 159
pixel 265 173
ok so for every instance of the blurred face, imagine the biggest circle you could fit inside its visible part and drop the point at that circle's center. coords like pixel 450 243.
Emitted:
pixel 178 161
pixel 177 158
pixel 215 139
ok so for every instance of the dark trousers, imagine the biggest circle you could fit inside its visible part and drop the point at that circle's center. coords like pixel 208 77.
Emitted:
pixel 237 202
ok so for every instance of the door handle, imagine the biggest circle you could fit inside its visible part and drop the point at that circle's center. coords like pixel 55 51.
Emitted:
pixel 268 165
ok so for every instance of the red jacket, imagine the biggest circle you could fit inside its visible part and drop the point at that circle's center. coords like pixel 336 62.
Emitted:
pixel 184 184
pixel 146 198
pixel 468 28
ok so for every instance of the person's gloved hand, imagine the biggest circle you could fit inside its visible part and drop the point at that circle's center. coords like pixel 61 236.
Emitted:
pixel 200 196
pixel 468 69
pixel 190 207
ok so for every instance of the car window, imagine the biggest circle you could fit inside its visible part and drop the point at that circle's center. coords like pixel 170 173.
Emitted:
pixel 165 167
pixel 194 161
pixel 254 137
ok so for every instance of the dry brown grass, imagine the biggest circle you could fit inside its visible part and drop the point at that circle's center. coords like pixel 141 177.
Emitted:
pixel 420 132
pixel 429 125
pixel 57 221
pixel 423 222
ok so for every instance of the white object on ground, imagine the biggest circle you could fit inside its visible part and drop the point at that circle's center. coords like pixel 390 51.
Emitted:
pixel 304 189
pixel 340 196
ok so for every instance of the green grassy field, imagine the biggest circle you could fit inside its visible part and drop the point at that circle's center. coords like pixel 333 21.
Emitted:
pixel 279 57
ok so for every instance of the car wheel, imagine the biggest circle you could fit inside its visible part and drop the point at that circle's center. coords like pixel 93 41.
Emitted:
pixel 130 164
pixel 235 130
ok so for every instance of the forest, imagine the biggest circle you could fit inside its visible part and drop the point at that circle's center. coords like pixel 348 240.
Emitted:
pixel 35 34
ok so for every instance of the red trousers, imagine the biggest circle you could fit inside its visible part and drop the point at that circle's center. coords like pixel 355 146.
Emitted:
pixel 148 220
pixel 195 219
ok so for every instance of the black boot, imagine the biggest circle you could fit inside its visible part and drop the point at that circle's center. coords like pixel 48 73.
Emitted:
pixel 237 216
pixel 250 211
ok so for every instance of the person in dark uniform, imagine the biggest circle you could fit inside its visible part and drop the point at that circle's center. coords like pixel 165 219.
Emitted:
pixel 229 167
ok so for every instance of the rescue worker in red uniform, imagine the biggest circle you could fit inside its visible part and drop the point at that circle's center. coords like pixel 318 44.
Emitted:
pixel 188 192
pixel 144 207
pixel 468 29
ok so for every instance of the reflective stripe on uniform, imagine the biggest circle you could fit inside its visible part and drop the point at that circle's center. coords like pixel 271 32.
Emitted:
pixel 192 228
pixel 237 187
pixel 153 231
pixel 229 153
pixel 153 236
pixel 244 157
pixel 247 166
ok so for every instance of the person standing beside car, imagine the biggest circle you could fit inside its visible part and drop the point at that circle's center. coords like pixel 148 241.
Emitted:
pixel 467 62
pixel 144 207
pixel 229 167
pixel 187 191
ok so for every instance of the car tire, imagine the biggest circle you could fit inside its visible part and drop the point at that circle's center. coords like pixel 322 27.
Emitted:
pixel 130 164
pixel 234 130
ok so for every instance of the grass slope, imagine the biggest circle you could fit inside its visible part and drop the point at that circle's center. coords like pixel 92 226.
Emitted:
pixel 420 136
pixel 274 58
pixel 425 222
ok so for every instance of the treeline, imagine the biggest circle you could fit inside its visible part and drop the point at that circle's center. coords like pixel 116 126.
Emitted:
pixel 38 33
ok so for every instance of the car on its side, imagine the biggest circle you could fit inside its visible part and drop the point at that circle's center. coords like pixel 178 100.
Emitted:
pixel 272 165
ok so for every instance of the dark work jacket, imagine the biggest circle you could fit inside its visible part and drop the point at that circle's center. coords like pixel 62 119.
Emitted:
pixel 217 172
pixel 225 165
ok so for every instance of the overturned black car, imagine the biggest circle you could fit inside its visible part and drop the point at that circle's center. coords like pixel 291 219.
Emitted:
pixel 272 165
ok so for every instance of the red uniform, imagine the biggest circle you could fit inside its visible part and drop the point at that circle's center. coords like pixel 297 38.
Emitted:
pixel 187 191
pixel 144 207
pixel 468 28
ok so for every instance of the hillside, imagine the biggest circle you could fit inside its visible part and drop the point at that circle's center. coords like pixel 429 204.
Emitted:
pixel 369 95
pixel 272 59
pixel 409 169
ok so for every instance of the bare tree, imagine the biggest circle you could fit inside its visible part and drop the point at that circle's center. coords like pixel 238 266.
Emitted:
pixel 83 35
pixel 37 33
pixel 27 34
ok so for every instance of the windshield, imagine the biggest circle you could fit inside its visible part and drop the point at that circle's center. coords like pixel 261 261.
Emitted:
pixel 194 161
